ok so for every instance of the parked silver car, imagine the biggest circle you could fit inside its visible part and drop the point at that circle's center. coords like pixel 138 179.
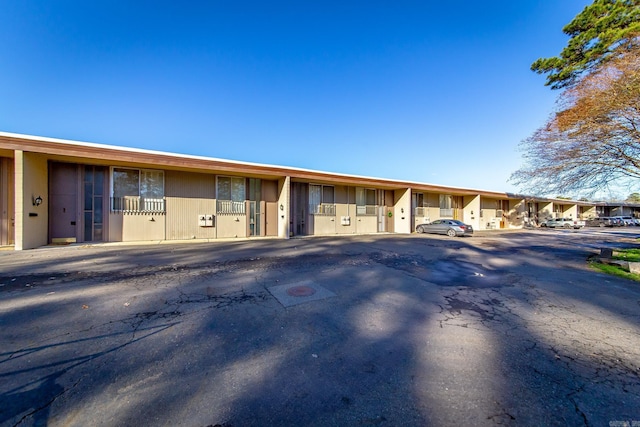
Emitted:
pixel 624 220
pixel 450 227
pixel 616 221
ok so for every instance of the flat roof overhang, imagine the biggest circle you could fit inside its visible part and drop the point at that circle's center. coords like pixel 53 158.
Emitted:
pixel 98 154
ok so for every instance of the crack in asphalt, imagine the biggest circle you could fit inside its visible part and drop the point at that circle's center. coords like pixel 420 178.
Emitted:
pixel 474 296
pixel 584 367
pixel 49 381
pixel 50 402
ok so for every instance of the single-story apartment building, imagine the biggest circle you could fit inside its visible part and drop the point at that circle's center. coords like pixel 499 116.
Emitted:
pixel 61 191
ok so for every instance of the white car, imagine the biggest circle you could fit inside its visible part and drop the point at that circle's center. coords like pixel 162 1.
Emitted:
pixel 563 223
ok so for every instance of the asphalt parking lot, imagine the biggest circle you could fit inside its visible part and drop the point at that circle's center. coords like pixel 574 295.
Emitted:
pixel 497 329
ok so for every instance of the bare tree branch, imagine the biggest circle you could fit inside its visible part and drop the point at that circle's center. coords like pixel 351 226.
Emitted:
pixel 593 141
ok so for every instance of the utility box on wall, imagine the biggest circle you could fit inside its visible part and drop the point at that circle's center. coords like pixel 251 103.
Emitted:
pixel 205 220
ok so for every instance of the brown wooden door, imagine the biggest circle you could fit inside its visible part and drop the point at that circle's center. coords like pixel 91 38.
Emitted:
pixel 271 218
pixel 63 201
pixel 299 206
pixel 270 207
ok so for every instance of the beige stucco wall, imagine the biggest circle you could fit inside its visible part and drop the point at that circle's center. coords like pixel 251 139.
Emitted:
pixel 284 196
pixel 183 218
pixel 345 208
pixel 471 211
pixel 431 211
pixel 132 227
pixel 589 212
pixel 484 209
pixel 187 196
pixel 231 226
pixel 31 180
pixel 115 227
pixel 366 224
pixel 517 209
pixel 402 211
pixel 489 214
pixel 323 225
pixel 570 211
pixel 349 226
pixel 545 210
pixel 137 227
pixel 511 217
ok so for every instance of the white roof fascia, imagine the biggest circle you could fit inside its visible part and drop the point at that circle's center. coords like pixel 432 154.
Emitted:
pixel 232 162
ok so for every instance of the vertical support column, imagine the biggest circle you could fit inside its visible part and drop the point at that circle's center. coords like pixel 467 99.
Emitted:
pixel 284 200
pixel 571 211
pixel 402 211
pixel 589 212
pixel 471 211
pixel 31 182
pixel 546 211
pixel 517 212
pixel 18 168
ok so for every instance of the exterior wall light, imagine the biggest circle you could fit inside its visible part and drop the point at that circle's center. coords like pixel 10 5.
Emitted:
pixel 281 207
pixel 37 201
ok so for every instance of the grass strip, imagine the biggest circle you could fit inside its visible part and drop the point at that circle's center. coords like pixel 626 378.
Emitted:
pixel 632 255
pixel 614 270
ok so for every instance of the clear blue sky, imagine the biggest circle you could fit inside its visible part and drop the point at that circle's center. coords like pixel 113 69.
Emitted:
pixel 433 91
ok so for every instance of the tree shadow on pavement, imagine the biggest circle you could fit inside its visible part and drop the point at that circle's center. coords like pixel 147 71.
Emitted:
pixel 421 331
